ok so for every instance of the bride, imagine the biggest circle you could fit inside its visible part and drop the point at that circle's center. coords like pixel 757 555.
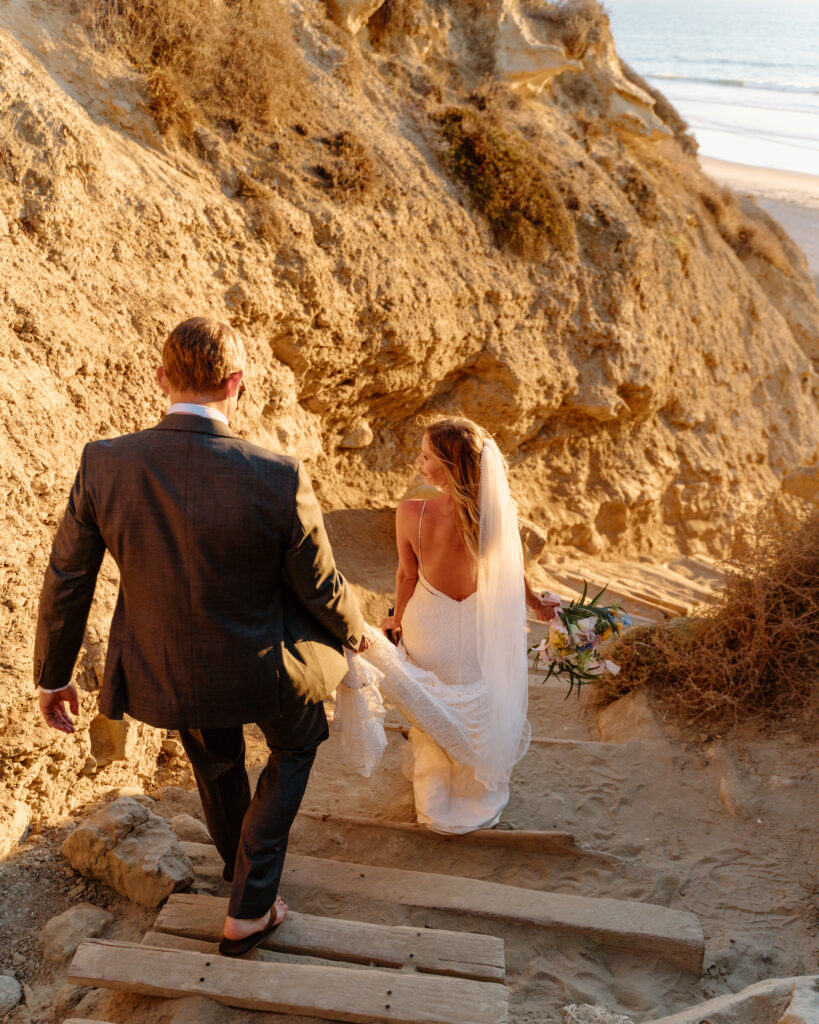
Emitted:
pixel 459 610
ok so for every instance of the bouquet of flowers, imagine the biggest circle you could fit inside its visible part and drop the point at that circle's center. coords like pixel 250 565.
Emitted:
pixel 572 646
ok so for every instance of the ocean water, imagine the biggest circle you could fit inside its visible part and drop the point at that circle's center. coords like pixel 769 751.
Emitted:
pixel 743 73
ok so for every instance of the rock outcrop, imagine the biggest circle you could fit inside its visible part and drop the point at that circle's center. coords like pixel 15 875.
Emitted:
pixel 131 849
pixel 369 289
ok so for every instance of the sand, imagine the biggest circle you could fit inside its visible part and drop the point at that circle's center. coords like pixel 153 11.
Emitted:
pixel 723 827
pixel 791 198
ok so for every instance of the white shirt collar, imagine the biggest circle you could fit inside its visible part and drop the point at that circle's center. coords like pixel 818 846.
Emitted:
pixel 191 409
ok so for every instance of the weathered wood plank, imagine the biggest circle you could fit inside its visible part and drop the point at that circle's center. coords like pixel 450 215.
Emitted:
pixel 430 950
pixel 334 993
pixel 520 839
pixel 671 934
pixel 166 940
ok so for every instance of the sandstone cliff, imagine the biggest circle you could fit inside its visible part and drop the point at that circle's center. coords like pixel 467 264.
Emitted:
pixel 642 343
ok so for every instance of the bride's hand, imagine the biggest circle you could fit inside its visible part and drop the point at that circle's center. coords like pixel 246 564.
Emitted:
pixel 545 608
pixel 388 623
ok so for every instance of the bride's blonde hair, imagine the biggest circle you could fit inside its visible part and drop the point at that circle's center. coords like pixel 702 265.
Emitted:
pixel 457 442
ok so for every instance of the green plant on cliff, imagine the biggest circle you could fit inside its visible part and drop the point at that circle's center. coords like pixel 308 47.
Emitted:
pixel 233 63
pixel 508 183
pixel 754 651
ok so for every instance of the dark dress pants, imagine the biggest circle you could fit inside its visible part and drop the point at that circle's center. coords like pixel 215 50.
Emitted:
pixel 251 833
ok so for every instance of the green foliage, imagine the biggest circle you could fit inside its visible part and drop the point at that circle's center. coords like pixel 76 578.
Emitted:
pixel 508 183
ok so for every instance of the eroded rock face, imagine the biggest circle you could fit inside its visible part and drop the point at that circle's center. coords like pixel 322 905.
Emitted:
pixel 131 849
pixel 63 933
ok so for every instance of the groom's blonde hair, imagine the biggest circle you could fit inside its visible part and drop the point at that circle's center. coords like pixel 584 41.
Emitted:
pixel 200 354
pixel 458 442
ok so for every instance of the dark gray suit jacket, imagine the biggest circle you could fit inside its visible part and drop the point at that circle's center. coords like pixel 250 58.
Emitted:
pixel 228 587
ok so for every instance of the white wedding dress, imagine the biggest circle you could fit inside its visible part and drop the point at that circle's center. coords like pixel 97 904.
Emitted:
pixel 459 677
pixel 440 634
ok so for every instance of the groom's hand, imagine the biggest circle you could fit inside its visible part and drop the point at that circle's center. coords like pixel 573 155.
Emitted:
pixel 365 643
pixel 52 707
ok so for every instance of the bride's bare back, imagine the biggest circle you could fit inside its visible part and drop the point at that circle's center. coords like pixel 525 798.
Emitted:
pixel 428 535
pixel 439 552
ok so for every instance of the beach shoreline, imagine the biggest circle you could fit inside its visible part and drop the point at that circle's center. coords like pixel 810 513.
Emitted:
pixel 789 197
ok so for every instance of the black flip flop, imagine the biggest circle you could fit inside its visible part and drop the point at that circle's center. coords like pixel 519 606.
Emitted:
pixel 239 947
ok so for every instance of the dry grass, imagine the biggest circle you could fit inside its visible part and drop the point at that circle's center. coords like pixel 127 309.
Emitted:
pixel 258 199
pixel 508 183
pixel 349 171
pixel 233 63
pixel 748 236
pixel 754 652
pixel 576 24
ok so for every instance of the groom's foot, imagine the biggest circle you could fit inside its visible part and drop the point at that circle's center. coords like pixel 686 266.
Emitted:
pixel 237 928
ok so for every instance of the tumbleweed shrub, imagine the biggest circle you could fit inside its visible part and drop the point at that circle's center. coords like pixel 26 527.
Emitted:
pixel 216 61
pixel 753 651
pixel 507 182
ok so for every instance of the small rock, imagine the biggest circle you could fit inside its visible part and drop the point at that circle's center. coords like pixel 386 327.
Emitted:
pixel 207 865
pixel 131 849
pixel 804 1006
pixel 66 1000
pixel 630 718
pixel 360 437
pixel 173 800
pixel 173 748
pixel 62 934
pixel 10 993
pixel 189 829
pixel 17 959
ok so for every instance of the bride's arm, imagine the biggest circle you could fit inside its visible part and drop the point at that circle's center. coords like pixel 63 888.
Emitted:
pixel 406 526
pixel 543 607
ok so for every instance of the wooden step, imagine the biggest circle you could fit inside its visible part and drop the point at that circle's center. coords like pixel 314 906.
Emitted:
pixel 329 992
pixel 430 950
pixel 673 935
pixel 519 839
pixel 164 940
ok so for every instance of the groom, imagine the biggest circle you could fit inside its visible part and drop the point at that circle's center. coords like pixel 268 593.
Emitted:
pixel 230 608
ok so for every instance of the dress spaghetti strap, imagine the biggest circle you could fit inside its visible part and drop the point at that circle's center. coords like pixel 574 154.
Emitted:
pixel 420 520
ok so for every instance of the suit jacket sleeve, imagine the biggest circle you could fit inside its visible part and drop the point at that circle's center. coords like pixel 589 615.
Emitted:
pixel 310 570
pixel 68 588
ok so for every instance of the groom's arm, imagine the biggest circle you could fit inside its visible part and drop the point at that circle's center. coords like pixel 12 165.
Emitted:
pixel 68 589
pixel 310 570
